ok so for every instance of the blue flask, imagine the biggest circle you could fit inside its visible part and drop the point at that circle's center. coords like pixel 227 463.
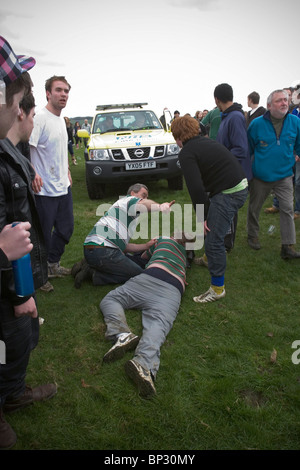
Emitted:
pixel 23 274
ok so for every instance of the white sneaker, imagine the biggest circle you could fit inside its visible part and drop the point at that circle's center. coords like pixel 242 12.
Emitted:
pixel 125 342
pixel 141 377
pixel 209 296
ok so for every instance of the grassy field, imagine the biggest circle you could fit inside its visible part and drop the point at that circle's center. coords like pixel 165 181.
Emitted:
pixel 226 380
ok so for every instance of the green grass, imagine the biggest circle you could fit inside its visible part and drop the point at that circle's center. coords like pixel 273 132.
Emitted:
pixel 217 387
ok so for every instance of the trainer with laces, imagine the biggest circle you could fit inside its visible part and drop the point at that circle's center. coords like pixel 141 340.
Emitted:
pixel 216 180
pixel 56 270
pixel 201 261
pixel 52 186
pixel 157 293
pixel 125 342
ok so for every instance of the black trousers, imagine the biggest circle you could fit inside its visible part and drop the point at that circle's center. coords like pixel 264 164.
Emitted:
pixel 19 336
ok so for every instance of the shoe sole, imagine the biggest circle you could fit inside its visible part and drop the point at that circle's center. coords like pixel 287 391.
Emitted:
pixel 146 389
pixel 119 351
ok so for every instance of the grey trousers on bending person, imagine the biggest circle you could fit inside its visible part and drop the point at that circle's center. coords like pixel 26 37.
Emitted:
pixel 159 302
pixel 283 189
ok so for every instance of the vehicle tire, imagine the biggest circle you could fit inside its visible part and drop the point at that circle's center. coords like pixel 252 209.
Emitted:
pixel 95 191
pixel 175 183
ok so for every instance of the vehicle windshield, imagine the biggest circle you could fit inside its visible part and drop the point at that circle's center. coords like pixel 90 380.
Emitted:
pixel 124 121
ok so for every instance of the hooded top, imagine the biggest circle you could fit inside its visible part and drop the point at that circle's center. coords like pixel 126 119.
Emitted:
pixel 233 134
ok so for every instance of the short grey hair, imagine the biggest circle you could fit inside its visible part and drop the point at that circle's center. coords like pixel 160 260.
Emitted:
pixel 136 188
pixel 270 97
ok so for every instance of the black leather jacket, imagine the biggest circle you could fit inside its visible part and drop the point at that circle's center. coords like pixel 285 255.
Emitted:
pixel 17 203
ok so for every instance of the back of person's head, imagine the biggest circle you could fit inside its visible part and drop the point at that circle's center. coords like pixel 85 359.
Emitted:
pixel 27 103
pixel 223 92
pixel 23 82
pixel 135 188
pixel 184 128
pixel 254 97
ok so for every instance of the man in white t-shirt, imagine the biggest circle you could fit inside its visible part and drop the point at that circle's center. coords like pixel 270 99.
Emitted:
pixel 52 186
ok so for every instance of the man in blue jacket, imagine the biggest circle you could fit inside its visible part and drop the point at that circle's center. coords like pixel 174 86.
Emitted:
pixel 232 134
pixel 233 131
pixel 274 140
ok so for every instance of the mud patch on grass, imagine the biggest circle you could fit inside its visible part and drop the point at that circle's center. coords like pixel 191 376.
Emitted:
pixel 253 398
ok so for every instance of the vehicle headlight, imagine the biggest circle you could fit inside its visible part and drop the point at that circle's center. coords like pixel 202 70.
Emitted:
pixel 99 154
pixel 172 149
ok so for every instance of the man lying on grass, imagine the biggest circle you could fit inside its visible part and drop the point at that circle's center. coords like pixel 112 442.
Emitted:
pixel 157 292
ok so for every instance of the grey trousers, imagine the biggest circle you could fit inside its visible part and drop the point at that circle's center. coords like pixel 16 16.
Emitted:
pixel 159 303
pixel 283 189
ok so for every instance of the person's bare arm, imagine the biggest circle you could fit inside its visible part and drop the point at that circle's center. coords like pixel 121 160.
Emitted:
pixel 155 206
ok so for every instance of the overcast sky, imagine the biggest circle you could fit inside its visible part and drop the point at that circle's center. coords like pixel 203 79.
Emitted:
pixel 168 53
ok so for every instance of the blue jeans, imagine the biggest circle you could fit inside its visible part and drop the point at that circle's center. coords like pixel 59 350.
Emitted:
pixel 111 265
pixel 222 209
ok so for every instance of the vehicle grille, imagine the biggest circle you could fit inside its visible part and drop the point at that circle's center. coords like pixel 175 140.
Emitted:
pixel 118 154
pixel 159 151
pixel 133 153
